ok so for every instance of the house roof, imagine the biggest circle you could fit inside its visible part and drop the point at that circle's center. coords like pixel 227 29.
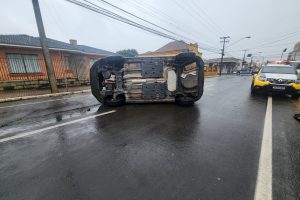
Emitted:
pixel 229 59
pixel 30 41
pixel 297 47
pixel 173 46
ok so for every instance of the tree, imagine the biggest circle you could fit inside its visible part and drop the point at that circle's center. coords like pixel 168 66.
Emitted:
pixel 128 52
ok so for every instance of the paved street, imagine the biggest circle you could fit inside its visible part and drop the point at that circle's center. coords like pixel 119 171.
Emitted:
pixel 209 151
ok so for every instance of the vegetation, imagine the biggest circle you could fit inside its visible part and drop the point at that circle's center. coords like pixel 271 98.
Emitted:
pixel 128 52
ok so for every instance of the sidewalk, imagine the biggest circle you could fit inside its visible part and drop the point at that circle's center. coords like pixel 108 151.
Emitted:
pixel 11 94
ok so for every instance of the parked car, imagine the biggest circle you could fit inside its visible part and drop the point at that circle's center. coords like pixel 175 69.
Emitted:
pixel 276 78
pixel 117 80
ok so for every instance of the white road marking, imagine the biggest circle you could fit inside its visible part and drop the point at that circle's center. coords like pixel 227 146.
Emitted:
pixel 37 102
pixel 21 135
pixel 263 189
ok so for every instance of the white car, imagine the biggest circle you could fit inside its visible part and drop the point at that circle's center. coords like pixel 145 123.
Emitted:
pixel 275 78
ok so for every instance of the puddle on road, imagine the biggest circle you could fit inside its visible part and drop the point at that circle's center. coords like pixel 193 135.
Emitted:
pixel 25 124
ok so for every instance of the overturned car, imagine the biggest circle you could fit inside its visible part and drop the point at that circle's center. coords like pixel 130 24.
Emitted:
pixel 117 80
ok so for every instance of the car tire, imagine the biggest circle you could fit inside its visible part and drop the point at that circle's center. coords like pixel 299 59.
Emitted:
pixel 118 101
pixel 184 101
pixel 95 81
pixel 295 96
pixel 253 91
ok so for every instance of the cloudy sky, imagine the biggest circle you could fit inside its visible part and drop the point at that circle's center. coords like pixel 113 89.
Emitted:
pixel 272 24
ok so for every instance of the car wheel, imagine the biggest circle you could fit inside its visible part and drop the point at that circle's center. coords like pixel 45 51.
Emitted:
pixel 96 80
pixel 297 117
pixel 184 101
pixel 118 101
pixel 295 96
pixel 253 91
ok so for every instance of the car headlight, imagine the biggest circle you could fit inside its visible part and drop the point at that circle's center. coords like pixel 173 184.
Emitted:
pixel 262 77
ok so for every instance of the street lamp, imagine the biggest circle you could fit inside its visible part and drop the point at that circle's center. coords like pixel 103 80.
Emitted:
pixel 284 50
pixel 247 37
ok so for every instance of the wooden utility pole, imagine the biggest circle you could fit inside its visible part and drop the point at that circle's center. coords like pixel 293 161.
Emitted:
pixel 44 45
pixel 224 40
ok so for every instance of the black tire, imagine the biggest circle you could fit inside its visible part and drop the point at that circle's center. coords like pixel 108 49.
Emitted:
pixel 184 101
pixel 119 101
pixel 185 57
pixel 96 77
pixel 200 63
pixel 95 81
pixel 253 91
pixel 295 96
pixel 297 117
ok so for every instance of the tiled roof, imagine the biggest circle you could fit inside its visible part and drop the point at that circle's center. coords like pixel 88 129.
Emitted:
pixel 26 40
pixel 173 46
pixel 94 50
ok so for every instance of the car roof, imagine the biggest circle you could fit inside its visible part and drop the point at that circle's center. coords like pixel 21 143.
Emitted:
pixel 278 65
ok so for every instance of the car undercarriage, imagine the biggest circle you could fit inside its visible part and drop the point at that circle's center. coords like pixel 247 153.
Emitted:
pixel 116 80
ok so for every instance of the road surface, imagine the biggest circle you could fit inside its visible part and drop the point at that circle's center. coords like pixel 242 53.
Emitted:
pixel 74 148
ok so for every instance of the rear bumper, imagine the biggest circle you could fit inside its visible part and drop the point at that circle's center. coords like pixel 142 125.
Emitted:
pixel 273 90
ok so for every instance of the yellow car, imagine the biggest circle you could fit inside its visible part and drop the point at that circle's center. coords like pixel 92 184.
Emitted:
pixel 276 78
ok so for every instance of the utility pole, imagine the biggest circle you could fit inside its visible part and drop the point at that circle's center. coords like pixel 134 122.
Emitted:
pixel 44 45
pixel 224 40
pixel 244 58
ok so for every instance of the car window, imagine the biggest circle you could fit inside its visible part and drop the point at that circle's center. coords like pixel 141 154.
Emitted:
pixel 279 70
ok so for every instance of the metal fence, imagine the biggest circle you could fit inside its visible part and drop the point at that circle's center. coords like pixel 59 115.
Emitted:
pixel 23 75
pixel 29 67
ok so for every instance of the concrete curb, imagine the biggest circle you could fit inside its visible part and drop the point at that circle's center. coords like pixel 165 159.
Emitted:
pixel 211 76
pixel 43 96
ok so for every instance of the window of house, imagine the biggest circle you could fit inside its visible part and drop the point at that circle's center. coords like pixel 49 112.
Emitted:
pixel 22 63
pixel 66 63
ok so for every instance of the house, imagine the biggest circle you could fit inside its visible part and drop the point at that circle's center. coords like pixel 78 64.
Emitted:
pixel 177 47
pixel 21 58
pixel 174 48
pixel 230 64
pixel 295 54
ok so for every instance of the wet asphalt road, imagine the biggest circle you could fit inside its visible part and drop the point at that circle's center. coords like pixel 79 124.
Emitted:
pixel 149 151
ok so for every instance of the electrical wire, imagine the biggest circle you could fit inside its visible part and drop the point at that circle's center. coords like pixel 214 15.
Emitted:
pixel 172 21
pixel 96 8
pixel 131 14
pixel 117 17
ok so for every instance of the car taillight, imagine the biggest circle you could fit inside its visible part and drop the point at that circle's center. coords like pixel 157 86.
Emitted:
pixel 262 77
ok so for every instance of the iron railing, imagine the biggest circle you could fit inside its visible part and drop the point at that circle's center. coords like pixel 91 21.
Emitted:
pixel 31 68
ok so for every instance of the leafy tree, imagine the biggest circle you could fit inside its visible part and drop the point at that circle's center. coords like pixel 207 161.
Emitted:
pixel 128 52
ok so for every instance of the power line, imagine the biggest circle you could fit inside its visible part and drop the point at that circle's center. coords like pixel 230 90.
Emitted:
pixel 131 14
pixel 95 8
pixel 189 12
pixel 284 37
pixel 205 48
pixel 172 21
pixel 117 17
pixel 218 28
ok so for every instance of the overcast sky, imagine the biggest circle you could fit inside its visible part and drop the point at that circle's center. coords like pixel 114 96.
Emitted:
pixel 272 24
